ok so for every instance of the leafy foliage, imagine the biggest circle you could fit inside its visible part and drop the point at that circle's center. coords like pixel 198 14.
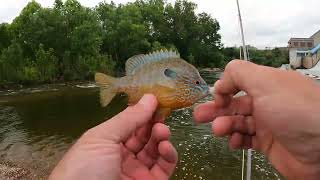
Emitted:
pixel 71 42
pixel 275 57
pixel 45 64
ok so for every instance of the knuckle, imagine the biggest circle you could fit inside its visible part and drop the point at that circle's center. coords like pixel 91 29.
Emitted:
pixel 87 134
pixel 92 132
pixel 235 64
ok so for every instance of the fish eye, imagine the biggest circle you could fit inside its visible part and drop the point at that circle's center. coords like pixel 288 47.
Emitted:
pixel 197 82
pixel 170 73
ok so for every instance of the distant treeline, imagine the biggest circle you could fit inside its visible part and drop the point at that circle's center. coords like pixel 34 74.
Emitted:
pixel 269 57
pixel 71 42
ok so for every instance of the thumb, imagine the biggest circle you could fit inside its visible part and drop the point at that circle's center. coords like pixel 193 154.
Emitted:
pixel 121 126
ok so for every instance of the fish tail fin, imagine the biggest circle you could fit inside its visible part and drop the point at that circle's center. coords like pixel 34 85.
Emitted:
pixel 107 90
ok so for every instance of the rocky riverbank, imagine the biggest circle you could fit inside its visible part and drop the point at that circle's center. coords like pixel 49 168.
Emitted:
pixel 9 171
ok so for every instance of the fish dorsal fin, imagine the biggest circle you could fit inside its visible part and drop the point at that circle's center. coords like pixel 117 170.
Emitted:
pixel 137 62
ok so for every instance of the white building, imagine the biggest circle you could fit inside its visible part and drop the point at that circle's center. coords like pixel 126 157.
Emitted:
pixel 304 52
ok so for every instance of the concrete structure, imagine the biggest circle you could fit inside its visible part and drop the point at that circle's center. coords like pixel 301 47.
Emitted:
pixel 312 58
pixel 303 52
pixel 316 37
pixel 301 43
pixel 313 72
pixel 298 49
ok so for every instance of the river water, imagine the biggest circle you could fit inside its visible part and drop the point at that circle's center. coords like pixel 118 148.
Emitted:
pixel 38 125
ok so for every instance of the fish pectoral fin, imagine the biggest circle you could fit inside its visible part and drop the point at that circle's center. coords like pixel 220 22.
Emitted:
pixel 163 112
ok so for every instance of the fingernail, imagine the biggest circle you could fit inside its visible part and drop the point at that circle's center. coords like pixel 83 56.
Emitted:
pixel 211 90
pixel 147 100
pixel 221 76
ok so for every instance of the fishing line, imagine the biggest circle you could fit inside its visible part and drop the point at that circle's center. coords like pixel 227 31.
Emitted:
pixel 245 54
pixel 243 152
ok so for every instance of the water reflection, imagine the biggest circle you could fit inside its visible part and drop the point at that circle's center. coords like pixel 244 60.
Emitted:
pixel 37 128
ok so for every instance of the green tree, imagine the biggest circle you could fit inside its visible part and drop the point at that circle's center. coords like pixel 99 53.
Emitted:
pixel 5 38
pixel 125 33
pixel 12 63
pixel 25 30
pixel 46 64
pixel 58 4
pixel 30 73
pixel 71 42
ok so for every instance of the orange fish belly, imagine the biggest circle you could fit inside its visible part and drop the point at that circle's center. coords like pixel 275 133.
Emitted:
pixel 165 96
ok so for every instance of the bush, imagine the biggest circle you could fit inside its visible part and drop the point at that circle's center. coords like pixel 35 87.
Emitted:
pixel 31 74
pixel 12 63
pixel 46 64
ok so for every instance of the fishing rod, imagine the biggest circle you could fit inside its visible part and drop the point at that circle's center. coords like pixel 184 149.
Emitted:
pixel 245 55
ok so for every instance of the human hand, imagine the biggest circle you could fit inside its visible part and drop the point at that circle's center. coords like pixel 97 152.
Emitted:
pixel 128 146
pixel 278 116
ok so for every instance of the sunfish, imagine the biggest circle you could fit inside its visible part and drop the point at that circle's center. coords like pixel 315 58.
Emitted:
pixel 175 82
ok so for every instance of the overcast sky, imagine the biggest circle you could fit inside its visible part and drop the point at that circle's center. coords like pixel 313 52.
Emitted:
pixel 267 23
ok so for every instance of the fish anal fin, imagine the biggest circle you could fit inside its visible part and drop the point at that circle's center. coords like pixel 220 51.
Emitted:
pixel 163 113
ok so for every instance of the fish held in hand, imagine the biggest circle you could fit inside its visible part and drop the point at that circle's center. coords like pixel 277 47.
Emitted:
pixel 175 82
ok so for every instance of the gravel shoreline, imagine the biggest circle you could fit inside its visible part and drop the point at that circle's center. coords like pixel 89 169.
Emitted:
pixel 8 171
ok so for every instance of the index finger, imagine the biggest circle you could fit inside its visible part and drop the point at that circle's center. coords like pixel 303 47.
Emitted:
pixel 239 75
pixel 207 112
